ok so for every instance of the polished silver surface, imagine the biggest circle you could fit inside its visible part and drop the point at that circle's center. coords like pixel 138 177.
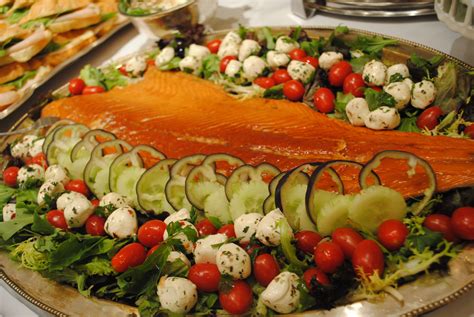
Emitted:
pixel 351 11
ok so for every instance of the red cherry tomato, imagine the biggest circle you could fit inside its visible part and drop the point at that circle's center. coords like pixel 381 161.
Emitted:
pixel 354 84
pixel 307 240
pixel 249 248
pixel 293 90
pixel 462 222
pixel 39 159
pixel 338 72
pixel 392 234
pixel 265 268
pixel 9 175
pixel 297 54
pixel 228 230
pixel 281 76
pixel 265 82
pixel 376 88
pixel 214 45
pixel 205 276
pixel 368 257
pixel 95 225
pixel 152 250
pixel 469 131
pixel 123 70
pixel 328 256
pixel 225 61
pixel 90 90
pixel 78 186
pixel 429 118
pixel 313 61
pixel 315 273
pixel 150 62
pixel 238 299
pixel 95 202
pixel 347 239
pixel 324 100
pixel 151 233
pixel 56 219
pixel 205 227
pixel 76 86
pixel 442 224
pixel 131 255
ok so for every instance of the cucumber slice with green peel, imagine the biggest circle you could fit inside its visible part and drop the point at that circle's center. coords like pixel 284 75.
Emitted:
pixel 248 199
pixel 127 183
pixel 199 191
pixel 50 133
pixel 374 205
pixel 296 176
pixel 100 186
pixel 64 140
pixel 77 167
pixel 217 205
pixel 294 208
pixel 269 203
pixel 244 174
pixel 334 214
pixel 318 199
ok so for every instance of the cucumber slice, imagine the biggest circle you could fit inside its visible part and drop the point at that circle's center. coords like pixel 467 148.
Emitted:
pixel 294 208
pixel 64 140
pixel 318 199
pixel 297 176
pixel 247 173
pixel 199 191
pixel 269 203
pixel 100 186
pixel 374 205
pixel 217 205
pixel 50 133
pixel 126 183
pixel 248 199
pixel 334 214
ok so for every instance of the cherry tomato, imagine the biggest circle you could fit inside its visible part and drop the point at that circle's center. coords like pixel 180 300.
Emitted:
pixel 90 90
pixel 150 62
pixel 225 61
pixel 131 255
pixel 338 72
pixel 354 84
pixel 293 90
pixel 214 45
pixel 56 219
pixel 152 250
pixel 205 276
pixel 78 186
pixel 123 70
pixel 376 88
pixel 76 86
pixel 313 61
pixel 324 100
pixel 315 273
pixel 281 76
pixel 469 131
pixel 307 240
pixel 205 227
pixel 328 256
pixel 151 232
pixel 228 230
pixel 265 268
pixel 392 234
pixel 297 54
pixel 39 159
pixel 265 82
pixel 249 248
pixel 429 118
pixel 462 222
pixel 95 202
pixel 347 239
pixel 368 257
pixel 95 225
pixel 9 175
pixel 238 299
pixel 442 224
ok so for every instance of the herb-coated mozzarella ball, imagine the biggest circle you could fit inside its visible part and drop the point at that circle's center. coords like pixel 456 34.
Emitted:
pixel 230 45
pixel 9 212
pixel 206 248
pixel 267 230
pixel 285 44
pixel 328 59
pixel 115 200
pixel 56 173
pixel 400 69
pixel 49 189
pixel 276 59
pixel 177 294
pixel 282 294
pixel 301 71
pixel 187 244
pixel 400 92
pixel 32 172
pixel 423 94
pixel 246 226
pixel 165 56
pixel 77 212
pixel 247 48
pixel 122 223
pixel 383 118
pixel 67 198
pixel 36 148
pixel 136 65
pixel 234 261
pixel 175 255
pixel 182 214
pixel 21 149
pixel 198 51
pixel 408 82
pixel 357 110
pixel 233 68
pixel 253 66
pixel 374 73
pixel 190 64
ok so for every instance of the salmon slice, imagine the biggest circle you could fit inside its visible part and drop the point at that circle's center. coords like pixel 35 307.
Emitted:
pixel 181 114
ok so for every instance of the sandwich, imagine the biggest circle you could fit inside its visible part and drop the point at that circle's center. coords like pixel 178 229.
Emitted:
pixel 24 50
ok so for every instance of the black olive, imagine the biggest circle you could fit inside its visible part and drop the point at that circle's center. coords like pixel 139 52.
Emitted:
pixel 163 43
pixel 180 51
pixel 461 128
pixel 180 42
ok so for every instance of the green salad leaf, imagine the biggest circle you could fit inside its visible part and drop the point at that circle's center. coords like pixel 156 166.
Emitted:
pixel 36 23
pixel 377 99
pixel 210 65
pixel 266 34
pixel 92 76
pixel 114 78
pixel 372 45
pixel 173 64
pixel 97 266
pixel 275 92
pixel 312 48
pixel 9 228
pixel 17 15
pixel 6 194
pixel 41 225
pixel 341 102
pixel 26 201
pixel 453 88
pixel 421 68
pixel 4 9
pixel 408 124
pixel 359 63
pixel 21 81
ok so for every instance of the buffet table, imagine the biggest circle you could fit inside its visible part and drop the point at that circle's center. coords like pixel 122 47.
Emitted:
pixel 424 30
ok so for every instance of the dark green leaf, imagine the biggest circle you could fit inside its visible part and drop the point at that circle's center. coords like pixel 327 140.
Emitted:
pixel 215 221
pixel 275 92
pixel 311 48
pixel 72 250
pixel 9 228
pixel 175 268
pixel 295 35
pixel 41 225
pixel 26 201
pixel 372 45
pixel 210 65
pixel 421 68
pixel 97 266
pixel 429 239
pixel 396 78
pixel 341 102
pixel 148 306
pixel 408 125
pixel 6 193
pixel 377 99
pixel 270 40
pixel 242 31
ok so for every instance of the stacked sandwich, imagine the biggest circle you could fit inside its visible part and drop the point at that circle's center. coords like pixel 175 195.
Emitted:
pixel 37 35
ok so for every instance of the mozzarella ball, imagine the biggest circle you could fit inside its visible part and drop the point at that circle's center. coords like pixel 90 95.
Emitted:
pixel 66 199
pixel 198 51
pixel 234 261
pixel 36 148
pixel 247 48
pixel 56 173
pixel 115 200
pixel 374 73
pixel 301 71
pixel 328 59
pixel 268 232
pixel 206 248
pixel 408 82
pixel 282 294
pixel 77 212
pixel 285 44
pixel 165 56
pixel 230 45
pixel 48 189
pixel 177 294
pixel 246 226
pixel 136 65
pixel 31 172
pixel 253 67
pixel 356 53
pixel 9 212
pixel 122 223
pixel 423 94
pixel 19 150
pixel 400 92
pixel 233 68
pixel 182 214
pixel 175 255
pixel 357 110
pixel 188 245
pixel 276 59
pixel 383 118
pixel 401 69
pixel 190 64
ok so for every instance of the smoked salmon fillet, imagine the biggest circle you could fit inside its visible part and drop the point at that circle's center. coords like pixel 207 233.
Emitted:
pixel 180 114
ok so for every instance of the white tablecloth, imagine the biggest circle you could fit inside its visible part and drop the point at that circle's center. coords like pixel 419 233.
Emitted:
pixel 425 30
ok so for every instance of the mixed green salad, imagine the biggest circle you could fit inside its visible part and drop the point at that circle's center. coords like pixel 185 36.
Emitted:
pixel 147 7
